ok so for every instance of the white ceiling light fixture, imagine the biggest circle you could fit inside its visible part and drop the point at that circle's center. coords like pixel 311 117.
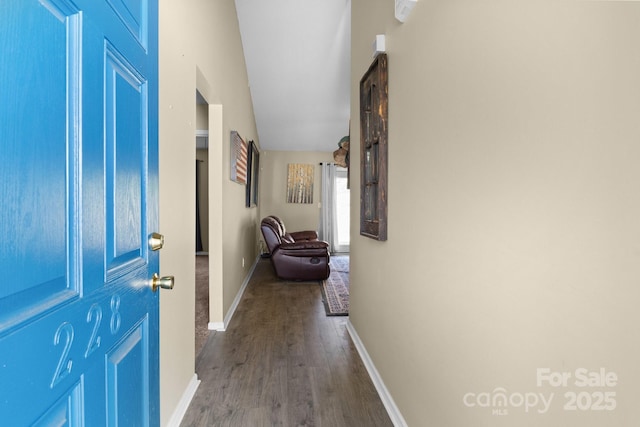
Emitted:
pixel 404 8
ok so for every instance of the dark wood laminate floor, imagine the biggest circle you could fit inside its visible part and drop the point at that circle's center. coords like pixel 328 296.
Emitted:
pixel 283 362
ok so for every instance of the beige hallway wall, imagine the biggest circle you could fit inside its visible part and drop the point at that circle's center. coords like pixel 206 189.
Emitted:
pixel 513 209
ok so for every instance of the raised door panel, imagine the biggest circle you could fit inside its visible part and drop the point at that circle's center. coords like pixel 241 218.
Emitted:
pixel 37 146
pixel 127 365
pixel 125 113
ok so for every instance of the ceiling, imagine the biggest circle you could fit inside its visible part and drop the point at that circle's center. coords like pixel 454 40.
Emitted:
pixel 298 61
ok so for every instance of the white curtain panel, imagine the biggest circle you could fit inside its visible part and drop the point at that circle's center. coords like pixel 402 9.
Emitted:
pixel 328 226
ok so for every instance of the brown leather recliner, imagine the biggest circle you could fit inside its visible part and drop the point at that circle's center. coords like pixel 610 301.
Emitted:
pixel 297 255
pixel 296 236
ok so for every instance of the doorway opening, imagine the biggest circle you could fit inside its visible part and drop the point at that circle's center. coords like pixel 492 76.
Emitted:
pixel 202 222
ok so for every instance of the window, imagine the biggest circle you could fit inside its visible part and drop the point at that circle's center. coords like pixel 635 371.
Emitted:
pixel 342 211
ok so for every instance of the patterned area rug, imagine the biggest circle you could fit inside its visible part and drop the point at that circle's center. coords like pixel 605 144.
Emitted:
pixel 335 290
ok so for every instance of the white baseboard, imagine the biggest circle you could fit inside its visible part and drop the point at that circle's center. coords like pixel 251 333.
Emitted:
pixel 185 400
pixel 216 326
pixel 394 413
pixel 222 326
pixel 236 300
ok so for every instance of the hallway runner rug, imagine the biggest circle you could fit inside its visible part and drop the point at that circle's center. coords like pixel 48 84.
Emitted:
pixel 335 290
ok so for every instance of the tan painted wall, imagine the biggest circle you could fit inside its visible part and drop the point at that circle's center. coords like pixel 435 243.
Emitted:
pixel 200 48
pixel 202 117
pixel 513 207
pixel 273 188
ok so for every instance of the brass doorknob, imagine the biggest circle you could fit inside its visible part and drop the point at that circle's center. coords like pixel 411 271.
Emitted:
pixel 165 282
pixel 156 241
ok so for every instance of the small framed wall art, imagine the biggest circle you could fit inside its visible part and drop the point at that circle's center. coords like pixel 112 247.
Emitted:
pixel 239 154
pixel 300 183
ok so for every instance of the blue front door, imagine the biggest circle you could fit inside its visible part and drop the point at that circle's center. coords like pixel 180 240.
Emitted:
pixel 78 203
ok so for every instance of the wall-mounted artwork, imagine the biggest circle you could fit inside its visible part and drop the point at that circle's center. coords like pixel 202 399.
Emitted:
pixel 253 175
pixel 300 183
pixel 374 106
pixel 238 170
